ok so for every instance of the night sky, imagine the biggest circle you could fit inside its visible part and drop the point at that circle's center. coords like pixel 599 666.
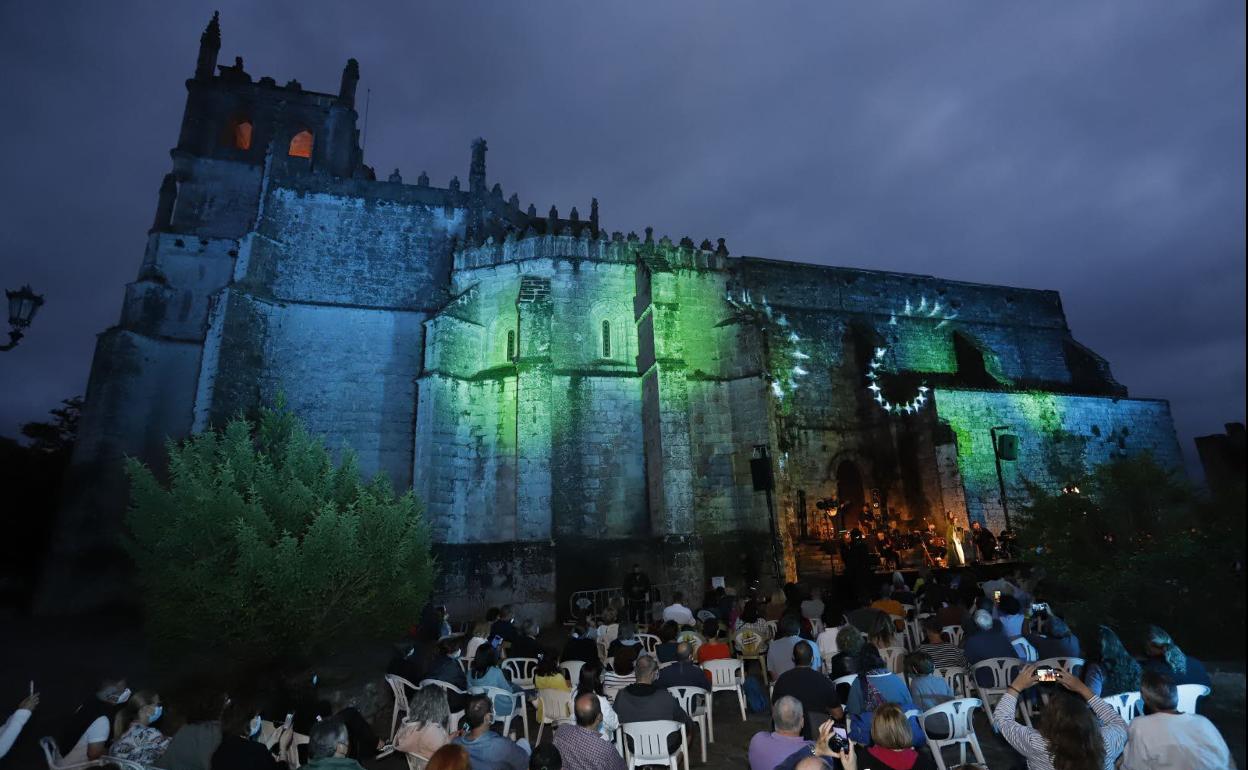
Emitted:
pixel 1090 147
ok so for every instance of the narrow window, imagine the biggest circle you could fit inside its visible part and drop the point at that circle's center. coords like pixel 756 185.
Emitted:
pixel 606 339
pixel 511 345
pixel 301 145
pixel 238 134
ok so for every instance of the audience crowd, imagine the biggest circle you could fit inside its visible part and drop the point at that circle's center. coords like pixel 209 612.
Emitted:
pixel 872 685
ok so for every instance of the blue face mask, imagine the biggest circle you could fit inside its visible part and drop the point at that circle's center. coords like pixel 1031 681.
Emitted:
pixel 256 724
pixel 156 712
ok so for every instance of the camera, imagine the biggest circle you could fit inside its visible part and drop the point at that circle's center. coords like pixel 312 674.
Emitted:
pixel 1040 607
pixel 1047 674
pixel 838 742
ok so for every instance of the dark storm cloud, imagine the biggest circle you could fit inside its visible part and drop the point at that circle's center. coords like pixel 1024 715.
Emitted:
pixel 1094 148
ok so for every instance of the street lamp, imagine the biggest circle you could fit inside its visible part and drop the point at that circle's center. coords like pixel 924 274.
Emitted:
pixel 22 306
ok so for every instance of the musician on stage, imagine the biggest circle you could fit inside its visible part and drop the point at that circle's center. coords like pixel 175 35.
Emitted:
pixel 985 542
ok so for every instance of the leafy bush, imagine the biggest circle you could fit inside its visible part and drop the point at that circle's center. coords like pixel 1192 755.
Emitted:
pixel 258 548
pixel 1137 545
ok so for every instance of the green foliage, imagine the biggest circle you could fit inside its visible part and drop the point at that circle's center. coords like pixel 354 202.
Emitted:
pixel 1137 546
pixel 259 548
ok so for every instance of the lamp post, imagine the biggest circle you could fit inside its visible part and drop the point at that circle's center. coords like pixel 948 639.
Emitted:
pixel 22 306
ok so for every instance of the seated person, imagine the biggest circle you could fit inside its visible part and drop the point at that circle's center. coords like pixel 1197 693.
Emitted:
pixel 423 731
pixel 892 746
pixel 1055 639
pixel 548 676
pixel 715 647
pixel 85 734
pixel 1165 657
pixel 816 692
pixel 677 612
pixel 487 749
pixel 875 684
pixel 486 673
pixel 1165 738
pixel 329 744
pixel 626 637
pixel 445 667
pixel 580 646
pixel 944 654
pixel 645 701
pixel 683 672
pixel 196 741
pixel 505 627
pixel 780 650
pixel 1111 669
pixel 849 642
pixel 138 740
pixel 525 644
pixel 665 651
pixel 1010 613
pixel 592 681
pixel 769 749
pixel 886 603
pixel 987 641
pixel 240 747
pixel 580 745
pixel 621 673
pixel 926 688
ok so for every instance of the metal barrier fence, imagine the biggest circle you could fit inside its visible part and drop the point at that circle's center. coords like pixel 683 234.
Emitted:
pixel 595 601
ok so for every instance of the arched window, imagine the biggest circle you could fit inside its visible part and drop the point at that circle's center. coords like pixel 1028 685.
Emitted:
pixel 301 145
pixel 238 134
pixel 511 345
pixel 606 339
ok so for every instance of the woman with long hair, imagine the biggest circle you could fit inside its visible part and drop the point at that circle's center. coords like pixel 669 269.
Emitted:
pixel 485 672
pixel 136 739
pixel 1165 657
pixel 1112 670
pixel 1071 735
pixel 423 732
pixel 591 680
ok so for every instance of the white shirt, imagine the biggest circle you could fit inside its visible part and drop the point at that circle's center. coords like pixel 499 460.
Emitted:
pixel 11 727
pixel 679 613
pixel 97 732
pixel 827 641
pixel 1175 742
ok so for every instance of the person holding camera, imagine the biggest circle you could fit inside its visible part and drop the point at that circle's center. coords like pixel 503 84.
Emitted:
pixel 1071 735
pixel 892 746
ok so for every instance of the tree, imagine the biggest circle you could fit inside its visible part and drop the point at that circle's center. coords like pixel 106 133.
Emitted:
pixel 1136 545
pixel 59 435
pixel 259 548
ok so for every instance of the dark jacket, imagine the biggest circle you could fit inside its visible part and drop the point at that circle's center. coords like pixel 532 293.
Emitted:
pixel 583 649
pixel 238 753
pixel 682 675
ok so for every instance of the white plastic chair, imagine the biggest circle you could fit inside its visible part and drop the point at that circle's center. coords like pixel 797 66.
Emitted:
pixel 520 671
pixel 826 642
pixel 1068 666
pixel 955 676
pixel 518 706
pixel 727 675
pixel 1003 671
pixel 648 642
pixel 954 633
pixel 556 709
pixel 771 629
pixel 649 744
pixel 751 645
pixel 448 688
pixel 1189 694
pixel 1129 705
pixel 698 711
pixel 959 715
pixel 398 687
pixel 893 658
pixel 572 669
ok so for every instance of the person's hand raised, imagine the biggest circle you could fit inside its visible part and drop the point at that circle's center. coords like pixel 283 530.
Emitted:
pixel 1076 685
pixel 30 702
pixel 1026 678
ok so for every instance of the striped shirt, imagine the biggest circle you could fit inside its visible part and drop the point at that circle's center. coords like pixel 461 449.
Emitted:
pixel 944 655
pixel 1033 746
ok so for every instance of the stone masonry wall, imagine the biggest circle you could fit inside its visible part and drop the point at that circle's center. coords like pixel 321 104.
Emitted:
pixel 1060 437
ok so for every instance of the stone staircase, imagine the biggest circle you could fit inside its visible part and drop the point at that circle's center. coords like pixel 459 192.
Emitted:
pixel 816 559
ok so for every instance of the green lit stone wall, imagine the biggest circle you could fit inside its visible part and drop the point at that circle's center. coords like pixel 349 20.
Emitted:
pixel 1060 437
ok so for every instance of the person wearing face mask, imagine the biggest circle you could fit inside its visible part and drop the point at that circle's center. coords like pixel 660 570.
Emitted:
pixel 445 667
pixel 138 739
pixel 240 747
pixel 88 729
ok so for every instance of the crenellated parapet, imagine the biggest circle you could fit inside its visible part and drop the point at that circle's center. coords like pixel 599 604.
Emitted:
pixel 579 242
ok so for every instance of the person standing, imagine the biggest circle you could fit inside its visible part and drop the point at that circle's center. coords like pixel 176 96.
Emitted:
pixel 637 592
pixel 954 555
pixel 985 542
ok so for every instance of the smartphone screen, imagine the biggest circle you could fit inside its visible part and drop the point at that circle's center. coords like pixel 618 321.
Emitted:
pixel 1046 675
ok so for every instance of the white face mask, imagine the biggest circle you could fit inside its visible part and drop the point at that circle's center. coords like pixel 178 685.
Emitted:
pixel 122 696
pixel 255 725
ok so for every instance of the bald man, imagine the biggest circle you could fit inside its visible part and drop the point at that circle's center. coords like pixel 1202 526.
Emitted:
pixel 580 745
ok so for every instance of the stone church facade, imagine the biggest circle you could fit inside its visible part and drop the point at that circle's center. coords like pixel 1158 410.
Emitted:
pixel 564 400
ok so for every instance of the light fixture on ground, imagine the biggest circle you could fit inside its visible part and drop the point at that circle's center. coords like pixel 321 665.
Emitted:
pixel 23 304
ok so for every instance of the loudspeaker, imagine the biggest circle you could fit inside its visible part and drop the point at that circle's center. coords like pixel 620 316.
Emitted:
pixel 760 472
pixel 1007 446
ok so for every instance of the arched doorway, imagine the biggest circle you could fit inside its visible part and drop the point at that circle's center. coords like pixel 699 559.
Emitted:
pixel 849 492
